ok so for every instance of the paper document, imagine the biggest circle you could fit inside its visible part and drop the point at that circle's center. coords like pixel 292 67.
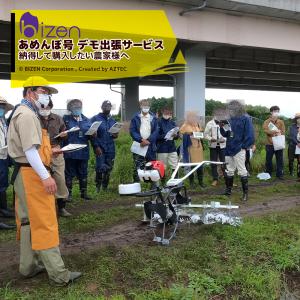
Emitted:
pixel 73 129
pixel 73 147
pixel 251 153
pixel 297 150
pixel 115 128
pixel 137 149
pixel 170 134
pixel 272 127
pixel 198 135
pixel 94 127
pixel 215 132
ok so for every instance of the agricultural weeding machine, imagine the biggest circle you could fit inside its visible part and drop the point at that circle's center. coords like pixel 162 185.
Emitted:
pixel 169 206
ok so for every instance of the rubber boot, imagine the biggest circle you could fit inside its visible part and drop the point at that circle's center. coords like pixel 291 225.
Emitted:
pixel 291 167
pixel 69 187
pixel 105 181
pixel 298 171
pixel 83 189
pixel 229 185
pixel 4 211
pixel 191 179
pixel 200 178
pixel 244 181
pixel 98 180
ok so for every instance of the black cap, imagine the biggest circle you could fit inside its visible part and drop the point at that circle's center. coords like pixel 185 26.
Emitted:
pixel 106 103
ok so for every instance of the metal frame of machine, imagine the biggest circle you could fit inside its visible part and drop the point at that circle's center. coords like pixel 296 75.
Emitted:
pixel 170 206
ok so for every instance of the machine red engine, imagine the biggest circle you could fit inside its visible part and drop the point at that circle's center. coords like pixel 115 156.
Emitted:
pixel 152 171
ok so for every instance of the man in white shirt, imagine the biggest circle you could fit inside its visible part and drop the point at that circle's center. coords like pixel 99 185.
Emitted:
pixel 217 144
pixel 144 130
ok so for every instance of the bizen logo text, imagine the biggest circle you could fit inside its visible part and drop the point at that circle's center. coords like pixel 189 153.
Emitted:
pixel 30 27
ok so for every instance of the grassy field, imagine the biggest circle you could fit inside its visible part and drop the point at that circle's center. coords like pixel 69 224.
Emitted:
pixel 258 260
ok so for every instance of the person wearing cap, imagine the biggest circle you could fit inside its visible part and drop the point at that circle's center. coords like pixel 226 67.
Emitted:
pixel 77 161
pixel 104 146
pixel 55 127
pixel 37 227
pixel 294 143
pixel 166 149
pixel 144 130
pixel 4 164
pixel 274 119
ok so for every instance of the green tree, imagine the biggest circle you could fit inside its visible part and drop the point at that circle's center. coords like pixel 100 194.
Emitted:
pixel 157 104
pixel 211 105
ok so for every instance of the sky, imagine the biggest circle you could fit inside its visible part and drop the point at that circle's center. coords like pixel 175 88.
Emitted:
pixel 92 96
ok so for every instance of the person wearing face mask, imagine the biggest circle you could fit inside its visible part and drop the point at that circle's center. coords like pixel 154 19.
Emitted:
pixel 239 134
pixel 144 130
pixel 77 161
pixel 294 143
pixel 4 210
pixel 192 148
pixel 55 126
pixel 29 147
pixel 166 149
pixel 104 146
pixel 216 143
pixel 274 119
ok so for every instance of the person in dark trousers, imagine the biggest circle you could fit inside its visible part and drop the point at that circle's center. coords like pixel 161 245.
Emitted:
pixel 217 144
pixel 4 163
pixel 294 143
pixel 240 136
pixel 279 130
pixel 166 149
pixel 55 127
pixel 144 130
pixel 104 146
pixel 77 161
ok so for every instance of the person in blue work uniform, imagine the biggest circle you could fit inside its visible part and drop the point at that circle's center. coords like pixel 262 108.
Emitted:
pixel 144 130
pixel 239 132
pixel 294 143
pixel 166 149
pixel 76 162
pixel 104 146
pixel 4 211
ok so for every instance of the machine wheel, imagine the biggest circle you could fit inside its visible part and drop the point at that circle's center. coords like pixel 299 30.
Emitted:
pixel 164 220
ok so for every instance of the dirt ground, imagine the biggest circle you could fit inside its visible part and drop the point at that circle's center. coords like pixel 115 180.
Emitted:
pixel 128 233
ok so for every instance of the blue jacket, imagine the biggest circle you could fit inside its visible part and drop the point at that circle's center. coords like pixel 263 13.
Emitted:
pixel 184 148
pixel 240 137
pixel 104 139
pixel 135 126
pixel 293 135
pixel 163 146
pixel 77 137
